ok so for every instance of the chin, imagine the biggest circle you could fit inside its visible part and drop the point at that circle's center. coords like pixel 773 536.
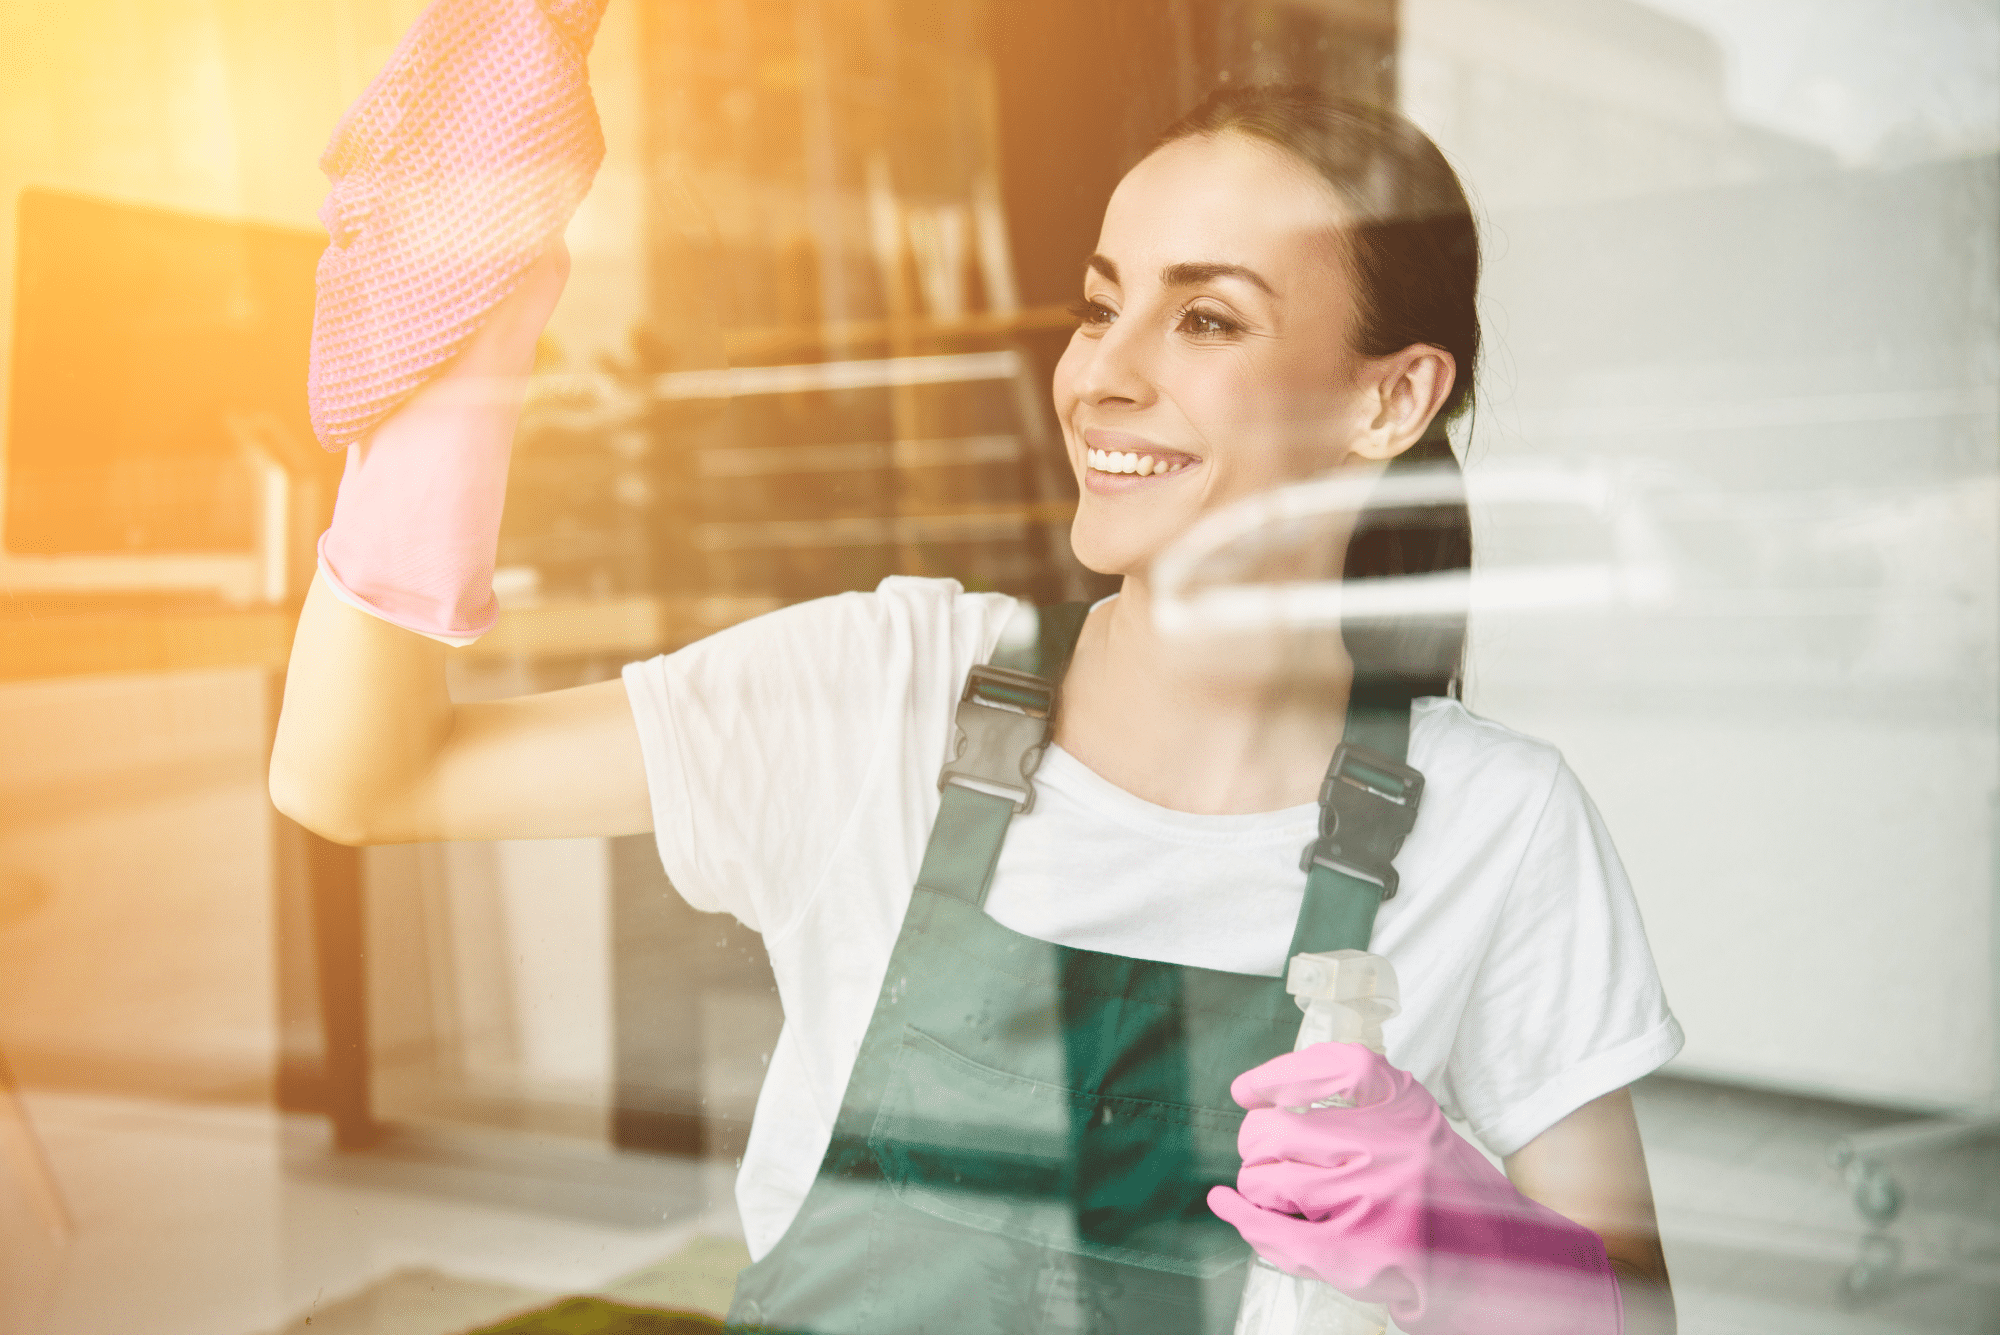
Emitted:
pixel 1112 549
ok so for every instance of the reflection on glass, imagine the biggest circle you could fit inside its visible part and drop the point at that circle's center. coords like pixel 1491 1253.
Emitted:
pixel 1732 477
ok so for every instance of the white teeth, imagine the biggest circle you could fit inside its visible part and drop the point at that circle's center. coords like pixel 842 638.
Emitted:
pixel 1125 461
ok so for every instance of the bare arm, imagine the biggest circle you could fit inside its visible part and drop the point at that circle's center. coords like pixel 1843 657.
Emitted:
pixel 1591 1167
pixel 371 749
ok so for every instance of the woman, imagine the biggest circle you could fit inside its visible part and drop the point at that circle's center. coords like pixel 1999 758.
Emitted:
pixel 1283 287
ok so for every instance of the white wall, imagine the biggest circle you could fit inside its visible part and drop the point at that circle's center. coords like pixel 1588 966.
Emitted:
pixel 1742 259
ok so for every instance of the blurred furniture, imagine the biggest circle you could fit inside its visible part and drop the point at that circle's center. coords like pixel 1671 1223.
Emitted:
pixel 156 436
pixel 75 635
pixel 322 978
pixel 23 1161
pixel 1930 1192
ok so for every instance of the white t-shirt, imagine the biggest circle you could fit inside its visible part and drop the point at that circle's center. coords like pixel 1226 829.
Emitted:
pixel 792 762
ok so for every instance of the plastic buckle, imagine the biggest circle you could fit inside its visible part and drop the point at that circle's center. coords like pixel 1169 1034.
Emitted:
pixel 1003 728
pixel 1367 805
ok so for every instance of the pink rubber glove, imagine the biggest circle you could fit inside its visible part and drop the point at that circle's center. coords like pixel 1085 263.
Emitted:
pixel 417 521
pixel 1384 1201
pixel 457 166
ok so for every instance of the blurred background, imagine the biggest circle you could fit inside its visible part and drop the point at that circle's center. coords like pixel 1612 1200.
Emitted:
pixel 1742 306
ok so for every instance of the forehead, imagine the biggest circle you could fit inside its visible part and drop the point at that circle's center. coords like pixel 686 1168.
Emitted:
pixel 1227 199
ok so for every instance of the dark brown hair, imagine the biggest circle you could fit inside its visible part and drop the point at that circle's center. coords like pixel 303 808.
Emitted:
pixel 1413 251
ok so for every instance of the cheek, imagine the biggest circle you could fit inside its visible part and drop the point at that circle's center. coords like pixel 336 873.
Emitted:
pixel 1069 369
pixel 1237 407
pixel 1281 417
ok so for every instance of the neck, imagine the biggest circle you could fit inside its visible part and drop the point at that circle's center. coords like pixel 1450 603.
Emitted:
pixel 1210 727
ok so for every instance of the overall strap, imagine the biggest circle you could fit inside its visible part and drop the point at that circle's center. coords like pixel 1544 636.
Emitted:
pixel 1367 804
pixel 1006 715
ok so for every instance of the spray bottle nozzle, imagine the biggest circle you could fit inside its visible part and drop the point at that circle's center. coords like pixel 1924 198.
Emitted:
pixel 1343 975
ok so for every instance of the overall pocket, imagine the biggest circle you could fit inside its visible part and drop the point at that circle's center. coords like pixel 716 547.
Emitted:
pixel 1096 1175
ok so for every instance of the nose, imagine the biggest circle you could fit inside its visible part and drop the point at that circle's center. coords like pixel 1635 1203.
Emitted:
pixel 1117 367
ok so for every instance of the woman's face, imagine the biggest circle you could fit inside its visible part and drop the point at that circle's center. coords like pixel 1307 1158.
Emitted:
pixel 1215 341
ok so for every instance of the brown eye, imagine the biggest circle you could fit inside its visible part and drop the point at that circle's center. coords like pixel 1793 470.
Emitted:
pixel 1208 324
pixel 1093 314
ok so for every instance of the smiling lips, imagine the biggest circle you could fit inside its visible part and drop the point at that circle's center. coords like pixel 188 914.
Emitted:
pixel 1127 461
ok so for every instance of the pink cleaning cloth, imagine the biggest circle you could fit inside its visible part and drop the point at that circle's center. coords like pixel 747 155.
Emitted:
pixel 450 176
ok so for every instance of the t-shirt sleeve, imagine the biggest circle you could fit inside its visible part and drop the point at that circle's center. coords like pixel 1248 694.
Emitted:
pixel 1567 1004
pixel 760 740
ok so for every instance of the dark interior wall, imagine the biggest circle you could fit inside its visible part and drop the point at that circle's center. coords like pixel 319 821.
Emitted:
pixel 1084 88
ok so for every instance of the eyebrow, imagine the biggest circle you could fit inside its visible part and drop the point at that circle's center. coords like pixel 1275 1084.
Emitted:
pixel 1191 273
pixel 1188 273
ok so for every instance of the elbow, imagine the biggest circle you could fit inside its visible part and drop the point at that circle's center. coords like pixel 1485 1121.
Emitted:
pixel 313 805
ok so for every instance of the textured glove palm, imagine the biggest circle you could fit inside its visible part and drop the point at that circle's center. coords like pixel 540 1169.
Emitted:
pixel 1384 1201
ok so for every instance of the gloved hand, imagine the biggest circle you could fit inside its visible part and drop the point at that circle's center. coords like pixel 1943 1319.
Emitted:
pixel 417 522
pixel 456 168
pixel 1384 1201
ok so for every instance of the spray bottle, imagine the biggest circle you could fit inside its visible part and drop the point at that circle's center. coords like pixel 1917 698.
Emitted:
pixel 1346 995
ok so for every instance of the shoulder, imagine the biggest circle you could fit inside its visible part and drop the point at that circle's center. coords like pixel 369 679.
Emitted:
pixel 1509 795
pixel 907 630
pixel 1487 788
pixel 905 608
pixel 932 609
pixel 1451 745
pixel 904 619
pixel 762 740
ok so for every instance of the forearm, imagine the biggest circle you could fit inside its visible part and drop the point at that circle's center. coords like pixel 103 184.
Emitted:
pixel 1647 1296
pixel 1591 1168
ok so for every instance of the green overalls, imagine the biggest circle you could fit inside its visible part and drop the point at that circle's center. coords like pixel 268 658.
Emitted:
pixel 1030 1132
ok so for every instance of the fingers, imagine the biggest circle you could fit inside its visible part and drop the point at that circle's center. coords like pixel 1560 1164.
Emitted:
pixel 1358 1261
pixel 1331 1140
pixel 1283 1241
pixel 1290 1188
pixel 1345 1071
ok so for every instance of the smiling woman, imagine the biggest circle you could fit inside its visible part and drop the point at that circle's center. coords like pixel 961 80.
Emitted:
pixel 1285 285
pixel 1029 1002
pixel 1256 347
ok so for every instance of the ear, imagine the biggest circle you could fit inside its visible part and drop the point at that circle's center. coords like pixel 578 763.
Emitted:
pixel 1402 392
